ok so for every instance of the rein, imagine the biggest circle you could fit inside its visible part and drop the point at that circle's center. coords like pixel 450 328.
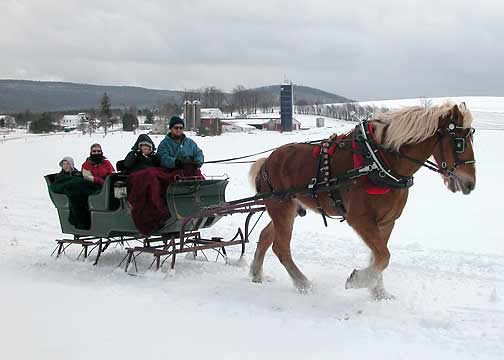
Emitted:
pixel 231 160
pixel 240 157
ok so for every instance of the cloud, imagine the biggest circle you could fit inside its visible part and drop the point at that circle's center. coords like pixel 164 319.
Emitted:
pixel 359 49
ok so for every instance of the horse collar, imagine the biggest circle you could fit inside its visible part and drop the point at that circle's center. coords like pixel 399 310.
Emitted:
pixel 375 165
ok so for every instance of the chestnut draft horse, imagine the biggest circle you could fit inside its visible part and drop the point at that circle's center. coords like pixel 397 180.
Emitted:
pixel 404 140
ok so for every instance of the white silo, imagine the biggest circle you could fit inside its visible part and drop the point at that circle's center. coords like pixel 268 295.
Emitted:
pixel 188 114
pixel 197 114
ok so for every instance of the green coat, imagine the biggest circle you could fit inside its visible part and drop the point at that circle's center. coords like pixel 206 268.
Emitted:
pixel 171 149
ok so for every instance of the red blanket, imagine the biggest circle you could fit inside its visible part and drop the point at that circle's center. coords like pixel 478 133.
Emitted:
pixel 147 197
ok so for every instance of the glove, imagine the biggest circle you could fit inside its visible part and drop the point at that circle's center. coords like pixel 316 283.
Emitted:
pixel 179 164
pixel 86 174
pixel 188 161
pixel 197 164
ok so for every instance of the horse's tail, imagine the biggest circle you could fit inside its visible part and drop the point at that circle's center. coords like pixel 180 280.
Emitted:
pixel 254 172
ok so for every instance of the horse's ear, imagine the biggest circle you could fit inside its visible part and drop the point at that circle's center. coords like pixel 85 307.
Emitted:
pixel 462 106
pixel 455 112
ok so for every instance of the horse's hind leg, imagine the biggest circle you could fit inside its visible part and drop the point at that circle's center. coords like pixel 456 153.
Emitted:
pixel 283 214
pixel 265 240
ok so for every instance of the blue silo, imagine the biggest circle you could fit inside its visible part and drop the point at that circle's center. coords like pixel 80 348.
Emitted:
pixel 286 106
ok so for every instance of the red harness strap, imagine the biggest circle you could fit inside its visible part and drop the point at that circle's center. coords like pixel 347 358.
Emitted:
pixel 330 151
pixel 358 161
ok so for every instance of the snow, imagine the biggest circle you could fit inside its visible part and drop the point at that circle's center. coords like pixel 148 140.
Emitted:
pixel 487 109
pixel 447 272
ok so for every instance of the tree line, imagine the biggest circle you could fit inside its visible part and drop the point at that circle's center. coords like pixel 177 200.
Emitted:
pixel 350 111
pixel 105 117
pixel 240 101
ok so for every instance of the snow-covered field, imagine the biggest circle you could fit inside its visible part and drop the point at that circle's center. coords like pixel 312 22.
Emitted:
pixel 447 271
pixel 488 110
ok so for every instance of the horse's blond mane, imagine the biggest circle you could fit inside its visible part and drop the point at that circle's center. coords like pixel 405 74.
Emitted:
pixel 411 125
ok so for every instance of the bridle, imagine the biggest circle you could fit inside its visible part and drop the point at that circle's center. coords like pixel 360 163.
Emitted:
pixel 458 145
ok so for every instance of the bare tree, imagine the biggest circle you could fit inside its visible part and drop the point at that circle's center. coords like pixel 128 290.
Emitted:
pixel 212 97
pixel 426 102
pixel 252 100
pixel 239 99
pixel 318 106
pixel 302 106
pixel 168 108
pixel 190 95
pixel 266 103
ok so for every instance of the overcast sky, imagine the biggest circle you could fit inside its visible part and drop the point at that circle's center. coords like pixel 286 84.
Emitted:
pixel 361 49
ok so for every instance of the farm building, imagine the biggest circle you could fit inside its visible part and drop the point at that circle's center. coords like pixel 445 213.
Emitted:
pixel 236 126
pixel 276 124
pixel 73 121
pixel 210 121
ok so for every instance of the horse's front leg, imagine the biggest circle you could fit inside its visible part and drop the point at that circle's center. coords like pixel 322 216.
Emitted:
pixel 376 238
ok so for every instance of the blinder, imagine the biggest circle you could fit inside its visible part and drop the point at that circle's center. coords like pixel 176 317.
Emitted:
pixel 458 143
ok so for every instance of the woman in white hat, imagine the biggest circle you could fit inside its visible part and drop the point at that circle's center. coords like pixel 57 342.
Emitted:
pixel 67 165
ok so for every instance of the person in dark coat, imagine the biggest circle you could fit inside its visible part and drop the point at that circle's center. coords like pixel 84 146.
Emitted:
pixel 147 183
pixel 70 182
pixel 142 155
pixel 177 150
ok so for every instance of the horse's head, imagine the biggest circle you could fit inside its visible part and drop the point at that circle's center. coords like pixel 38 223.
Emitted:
pixel 453 152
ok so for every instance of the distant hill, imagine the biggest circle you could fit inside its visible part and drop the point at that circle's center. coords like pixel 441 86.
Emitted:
pixel 19 95
pixel 309 94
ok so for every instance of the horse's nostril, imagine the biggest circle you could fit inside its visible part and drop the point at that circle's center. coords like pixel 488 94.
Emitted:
pixel 470 186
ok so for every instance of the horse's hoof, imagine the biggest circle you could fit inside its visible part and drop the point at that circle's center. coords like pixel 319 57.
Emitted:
pixel 304 288
pixel 350 280
pixel 381 294
pixel 256 276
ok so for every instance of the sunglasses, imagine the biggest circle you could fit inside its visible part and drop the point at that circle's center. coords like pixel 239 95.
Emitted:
pixel 178 127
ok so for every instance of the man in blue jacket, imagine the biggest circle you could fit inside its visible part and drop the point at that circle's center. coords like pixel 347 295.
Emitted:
pixel 178 151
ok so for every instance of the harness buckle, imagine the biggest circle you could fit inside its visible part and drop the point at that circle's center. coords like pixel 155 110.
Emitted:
pixel 312 183
pixel 368 168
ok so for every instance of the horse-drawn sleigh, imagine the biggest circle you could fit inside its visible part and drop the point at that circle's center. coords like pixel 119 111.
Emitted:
pixel 363 176
pixel 194 204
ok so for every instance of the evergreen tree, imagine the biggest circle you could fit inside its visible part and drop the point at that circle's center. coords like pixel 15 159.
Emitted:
pixel 43 124
pixel 130 121
pixel 149 117
pixel 105 112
